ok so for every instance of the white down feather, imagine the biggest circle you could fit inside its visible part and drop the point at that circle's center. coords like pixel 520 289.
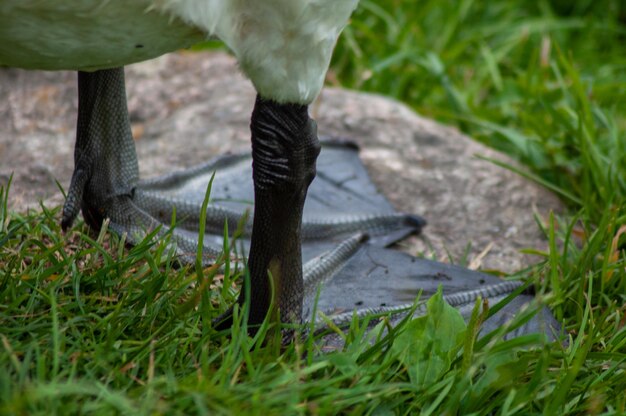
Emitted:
pixel 284 46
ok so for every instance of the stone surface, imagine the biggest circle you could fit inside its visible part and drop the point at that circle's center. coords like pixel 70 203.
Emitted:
pixel 188 107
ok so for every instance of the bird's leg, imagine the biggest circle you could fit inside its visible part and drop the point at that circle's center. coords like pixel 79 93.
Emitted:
pixel 284 150
pixel 106 172
pixel 105 162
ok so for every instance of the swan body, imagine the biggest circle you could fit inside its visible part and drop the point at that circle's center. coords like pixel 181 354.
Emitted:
pixel 283 46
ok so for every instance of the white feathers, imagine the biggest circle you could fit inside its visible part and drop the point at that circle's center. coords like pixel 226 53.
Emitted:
pixel 205 14
pixel 283 46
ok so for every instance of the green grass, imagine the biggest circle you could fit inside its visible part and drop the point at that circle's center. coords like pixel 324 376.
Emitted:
pixel 542 81
pixel 89 326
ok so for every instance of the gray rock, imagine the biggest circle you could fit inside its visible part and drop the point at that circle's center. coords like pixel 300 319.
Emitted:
pixel 187 107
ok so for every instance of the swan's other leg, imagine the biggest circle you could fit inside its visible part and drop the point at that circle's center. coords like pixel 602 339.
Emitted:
pixel 105 162
pixel 106 171
pixel 284 150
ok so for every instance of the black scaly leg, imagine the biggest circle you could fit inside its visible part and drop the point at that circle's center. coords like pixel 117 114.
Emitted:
pixel 284 150
pixel 106 172
pixel 105 162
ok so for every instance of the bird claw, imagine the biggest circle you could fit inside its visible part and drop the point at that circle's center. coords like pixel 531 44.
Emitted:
pixel 74 199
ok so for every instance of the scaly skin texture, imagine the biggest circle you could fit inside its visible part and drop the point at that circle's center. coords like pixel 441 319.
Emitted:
pixel 105 165
pixel 105 162
pixel 284 150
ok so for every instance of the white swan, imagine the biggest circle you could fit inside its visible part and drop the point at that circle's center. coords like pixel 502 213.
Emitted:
pixel 283 46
